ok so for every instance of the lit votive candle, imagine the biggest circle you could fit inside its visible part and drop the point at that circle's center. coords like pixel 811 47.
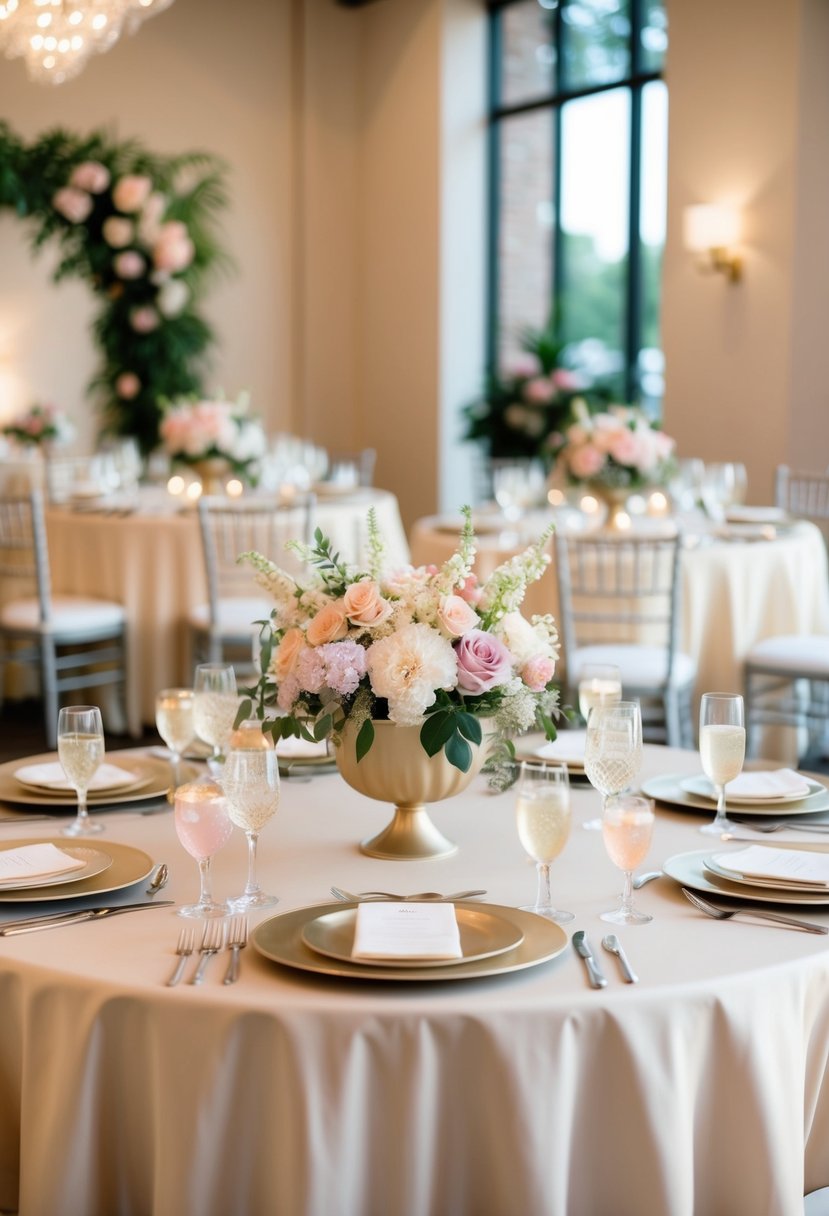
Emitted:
pixel 175 485
pixel 234 488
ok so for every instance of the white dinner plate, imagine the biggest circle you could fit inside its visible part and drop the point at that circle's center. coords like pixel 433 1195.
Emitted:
pixel 567 748
pixel 95 862
pixel 688 869
pixel 768 884
pixel 702 786
pixel 669 789
pixel 128 865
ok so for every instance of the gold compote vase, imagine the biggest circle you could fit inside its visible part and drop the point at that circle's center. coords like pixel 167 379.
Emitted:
pixel 213 471
pixel 396 769
pixel 614 499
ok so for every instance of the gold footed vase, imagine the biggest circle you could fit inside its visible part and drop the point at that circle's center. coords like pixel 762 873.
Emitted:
pixel 614 499
pixel 213 472
pixel 396 769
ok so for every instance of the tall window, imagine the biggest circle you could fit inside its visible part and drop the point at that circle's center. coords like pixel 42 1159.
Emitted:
pixel 578 177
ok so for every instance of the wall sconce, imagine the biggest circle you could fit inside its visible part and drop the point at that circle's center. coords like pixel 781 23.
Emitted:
pixel 711 231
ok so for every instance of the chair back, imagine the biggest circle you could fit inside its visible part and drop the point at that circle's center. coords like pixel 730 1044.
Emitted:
pixel 618 591
pixel 24 555
pixel 805 495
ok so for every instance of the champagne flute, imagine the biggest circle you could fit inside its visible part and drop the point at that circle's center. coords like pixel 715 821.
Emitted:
pixel 599 684
pixel 215 704
pixel 175 722
pixel 627 829
pixel 203 827
pixel 542 814
pixel 80 751
pixel 250 780
pixel 722 749
pixel 612 750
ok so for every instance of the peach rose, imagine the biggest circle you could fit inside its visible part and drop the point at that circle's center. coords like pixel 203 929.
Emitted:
pixel 456 616
pixel 287 653
pixel 364 605
pixel 537 672
pixel 117 231
pixel 90 175
pixel 131 191
pixel 329 625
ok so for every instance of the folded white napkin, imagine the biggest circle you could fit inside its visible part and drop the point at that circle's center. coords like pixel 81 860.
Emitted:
pixel 776 783
pixel 36 861
pixel 301 749
pixel 569 746
pixel 798 866
pixel 107 776
pixel 407 931
pixel 754 515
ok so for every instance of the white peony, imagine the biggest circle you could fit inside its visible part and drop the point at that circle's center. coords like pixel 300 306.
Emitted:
pixel 407 668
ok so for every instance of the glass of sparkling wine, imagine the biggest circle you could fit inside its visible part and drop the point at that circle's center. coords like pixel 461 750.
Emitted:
pixel 80 751
pixel 250 780
pixel 599 684
pixel 175 722
pixel 542 813
pixel 627 828
pixel 215 703
pixel 722 749
pixel 612 750
pixel 203 827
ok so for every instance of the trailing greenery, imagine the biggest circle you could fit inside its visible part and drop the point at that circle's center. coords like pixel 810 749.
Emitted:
pixel 140 229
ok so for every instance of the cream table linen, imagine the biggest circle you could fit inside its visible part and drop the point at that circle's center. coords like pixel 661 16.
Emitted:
pixel 703 1090
pixel 151 561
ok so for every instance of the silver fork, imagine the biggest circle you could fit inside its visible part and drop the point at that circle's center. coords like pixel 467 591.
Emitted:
pixel 720 913
pixel 211 943
pixel 775 825
pixel 237 939
pixel 185 946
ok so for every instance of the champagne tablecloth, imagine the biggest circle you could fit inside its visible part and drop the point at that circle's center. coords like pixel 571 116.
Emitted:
pixel 704 1089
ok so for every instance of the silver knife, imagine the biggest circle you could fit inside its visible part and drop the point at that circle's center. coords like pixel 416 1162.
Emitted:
pixel 594 971
pixel 32 923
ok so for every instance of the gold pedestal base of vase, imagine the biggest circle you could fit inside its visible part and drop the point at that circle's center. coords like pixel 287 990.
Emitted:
pixel 411 835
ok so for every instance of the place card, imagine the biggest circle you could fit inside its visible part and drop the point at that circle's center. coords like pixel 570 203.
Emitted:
pixel 798 866
pixel 36 861
pixel 391 929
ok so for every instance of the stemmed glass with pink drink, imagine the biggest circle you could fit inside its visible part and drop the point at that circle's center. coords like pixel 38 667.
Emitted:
pixel 203 826
pixel 627 828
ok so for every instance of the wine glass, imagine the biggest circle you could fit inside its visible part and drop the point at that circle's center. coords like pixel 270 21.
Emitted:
pixel 612 750
pixel 722 749
pixel 175 722
pixel 250 780
pixel 215 704
pixel 518 485
pixel 627 829
pixel 599 684
pixel 203 827
pixel 80 751
pixel 542 813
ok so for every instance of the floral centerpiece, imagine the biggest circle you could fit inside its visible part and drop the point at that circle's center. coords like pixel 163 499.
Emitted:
pixel 619 448
pixel 40 426
pixel 199 432
pixel 427 647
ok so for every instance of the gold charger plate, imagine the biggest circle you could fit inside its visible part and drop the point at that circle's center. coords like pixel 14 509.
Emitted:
pixel 482 934
pixel 129 865
pixel 280 939
pixel 669 789
pixel 95 862
pixel 155 776
pixel 688 869
pixel 59 791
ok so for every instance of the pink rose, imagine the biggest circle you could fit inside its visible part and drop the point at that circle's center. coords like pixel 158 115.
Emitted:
pixel 91 175
pixel 287 652
pixel 129 265
pixel 483 662
pixel 144 320
pixel 127 386
pixel 564 379
pixel 329 625
pixel 131 192
pixel 537 672
pixel 74 205
pixel 585 461
pixel 117 232
pixel 539 391
pixel 456 616
pixel 173 249
pixel 523 366
pixel 626 448
pixel 364 606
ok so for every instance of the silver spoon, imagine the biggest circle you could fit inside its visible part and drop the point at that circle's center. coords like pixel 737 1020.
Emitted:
pixel 351 898
pixel 159 879
pixel 612 944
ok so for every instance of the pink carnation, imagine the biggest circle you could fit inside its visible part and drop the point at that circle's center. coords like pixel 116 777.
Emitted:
pixel 74 205
pixel 345 665
pixel 483 662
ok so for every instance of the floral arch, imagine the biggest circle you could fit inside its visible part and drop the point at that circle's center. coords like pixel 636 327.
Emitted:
pixel 140 230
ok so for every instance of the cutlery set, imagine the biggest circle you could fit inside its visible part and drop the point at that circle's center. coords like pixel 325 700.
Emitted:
pixel 216 937
pixel 612 945
pixel 435 896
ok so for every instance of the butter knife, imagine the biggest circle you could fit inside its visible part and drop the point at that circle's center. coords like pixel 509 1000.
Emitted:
pixel 31 924
pixel 594 971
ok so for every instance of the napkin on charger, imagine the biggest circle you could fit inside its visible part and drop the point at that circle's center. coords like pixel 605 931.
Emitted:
pixel 776 783
pixel 36 861
pixel 800 866
pixel 568 745
pixel 52 776
pixel 398 930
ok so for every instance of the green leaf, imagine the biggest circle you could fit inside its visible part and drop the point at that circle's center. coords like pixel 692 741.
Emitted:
pixel 436 731
pixel 365 738
pixel 548 725
pixel 244 711
pixel 322 728
pixel 469 726
pixel 458 752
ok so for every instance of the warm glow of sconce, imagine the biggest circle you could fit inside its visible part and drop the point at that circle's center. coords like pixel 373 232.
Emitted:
pixel 712 231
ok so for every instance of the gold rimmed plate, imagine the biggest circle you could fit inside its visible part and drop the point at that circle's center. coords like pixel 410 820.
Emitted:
pixel 153 773
pixel 280 939
pixel 483 935
pixel 61 788
pixel 95 862
pixel 688 869
pixel 128 865
pixel 669 789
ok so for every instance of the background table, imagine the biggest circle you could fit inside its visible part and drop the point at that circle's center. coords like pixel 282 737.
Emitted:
pixel 151 561
pixel 703 1089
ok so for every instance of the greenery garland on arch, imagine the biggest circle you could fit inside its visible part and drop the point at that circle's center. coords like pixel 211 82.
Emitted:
pixel 140 230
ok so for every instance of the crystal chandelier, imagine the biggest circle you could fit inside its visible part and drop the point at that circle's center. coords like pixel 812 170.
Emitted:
pixel 56 37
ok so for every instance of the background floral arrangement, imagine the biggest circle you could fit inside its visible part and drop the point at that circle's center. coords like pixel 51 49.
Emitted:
pixel 193 431
pixel 619 447
pixel 138 229
pixel 38 425
pixel 420 646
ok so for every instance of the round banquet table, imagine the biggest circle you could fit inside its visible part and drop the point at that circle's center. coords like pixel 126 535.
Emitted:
pixel 704 1088
pixel 150 560
pixel 733 591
